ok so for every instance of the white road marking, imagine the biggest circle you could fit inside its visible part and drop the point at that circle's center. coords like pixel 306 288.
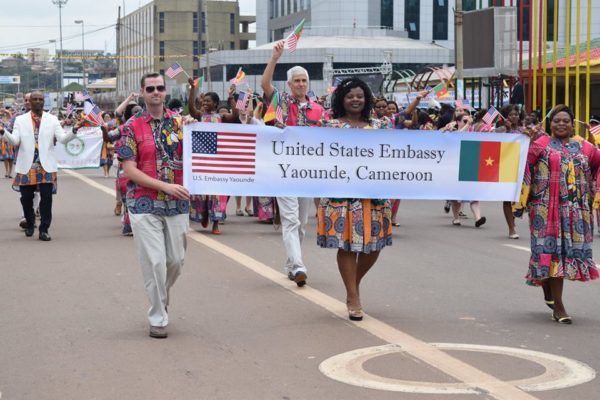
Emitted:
pixel 475 379
pixel 514 246
pixel 560 372
pixel 90 182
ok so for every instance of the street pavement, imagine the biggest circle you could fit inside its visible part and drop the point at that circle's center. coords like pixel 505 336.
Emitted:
pixel 74 313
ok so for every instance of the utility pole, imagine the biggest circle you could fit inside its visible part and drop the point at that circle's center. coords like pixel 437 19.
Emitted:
pixel 80 21
pixel 118 53
pixel 60 4
pixel 458 44
pixel 205 22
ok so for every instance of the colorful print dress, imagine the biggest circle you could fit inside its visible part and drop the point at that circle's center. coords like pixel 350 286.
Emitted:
pixel 356 225
pixel 204 208
pixel 558 191
pixel 7 150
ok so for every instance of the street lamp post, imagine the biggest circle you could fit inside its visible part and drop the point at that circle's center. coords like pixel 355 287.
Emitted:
pixel 80 21
pixel 57 79
pixel 60 4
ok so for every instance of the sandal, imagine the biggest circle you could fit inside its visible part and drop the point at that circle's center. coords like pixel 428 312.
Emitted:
pixel 456 222
pixel 562 320
pixel 239 213
pixel 249 212
pixel 216 231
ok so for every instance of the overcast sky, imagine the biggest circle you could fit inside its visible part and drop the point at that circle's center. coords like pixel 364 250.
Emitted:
pixel 32 23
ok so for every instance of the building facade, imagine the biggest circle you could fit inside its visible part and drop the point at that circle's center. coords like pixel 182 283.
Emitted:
pixel 163 32
pixel 425 20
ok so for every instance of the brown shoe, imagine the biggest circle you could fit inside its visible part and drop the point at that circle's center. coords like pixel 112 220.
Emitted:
pixel 158 332
pixel 118 208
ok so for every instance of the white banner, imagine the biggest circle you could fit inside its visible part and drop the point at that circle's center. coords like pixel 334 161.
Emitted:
pixel 83 151
pixel 255 160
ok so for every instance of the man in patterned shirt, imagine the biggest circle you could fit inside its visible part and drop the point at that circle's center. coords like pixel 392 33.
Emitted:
pixel 298 110
pixel 151 150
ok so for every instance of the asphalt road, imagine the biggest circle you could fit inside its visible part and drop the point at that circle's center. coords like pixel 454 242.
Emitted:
pixel 74 313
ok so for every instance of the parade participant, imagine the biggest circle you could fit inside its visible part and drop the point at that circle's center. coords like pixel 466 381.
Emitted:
pixel 512 116
pixel 559 187
pixel 461 123
pixel 381 110
pixel 107 153
pixel 35 132
pixel 151 151
pixel 7 151
pixel 205 208
pixel 36 196
pixel 357 228
pixel 298 110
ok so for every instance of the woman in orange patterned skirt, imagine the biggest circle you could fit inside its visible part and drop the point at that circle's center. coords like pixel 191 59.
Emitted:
pixel 357 228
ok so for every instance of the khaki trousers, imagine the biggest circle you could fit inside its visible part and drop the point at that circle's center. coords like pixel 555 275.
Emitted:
pixel 160 244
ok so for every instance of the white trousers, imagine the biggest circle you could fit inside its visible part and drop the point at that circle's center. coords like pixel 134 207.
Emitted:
pixel 160 244
pixel 294 216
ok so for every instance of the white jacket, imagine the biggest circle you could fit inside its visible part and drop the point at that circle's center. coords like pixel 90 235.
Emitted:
pixel 22 136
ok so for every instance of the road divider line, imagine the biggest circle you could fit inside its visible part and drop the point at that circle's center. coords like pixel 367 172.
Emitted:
pixel 479 381
pixel 515 246
pixel 90 182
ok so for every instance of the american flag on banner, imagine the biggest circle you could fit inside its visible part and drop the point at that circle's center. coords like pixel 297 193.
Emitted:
pixel 490 116
pixel 174 70
pixel 242 101
pixel 595 129
pixel 223 153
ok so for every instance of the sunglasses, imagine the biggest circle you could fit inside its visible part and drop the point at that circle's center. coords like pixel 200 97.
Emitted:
pixel 151 89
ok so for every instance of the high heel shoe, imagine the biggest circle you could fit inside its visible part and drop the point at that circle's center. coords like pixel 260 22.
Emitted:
pixel 355 314
pixel 566 320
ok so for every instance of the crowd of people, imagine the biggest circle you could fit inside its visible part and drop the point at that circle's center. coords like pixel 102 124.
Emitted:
pixel 559 190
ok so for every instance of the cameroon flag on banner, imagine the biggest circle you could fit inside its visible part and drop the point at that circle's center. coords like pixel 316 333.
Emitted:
pixel 488 161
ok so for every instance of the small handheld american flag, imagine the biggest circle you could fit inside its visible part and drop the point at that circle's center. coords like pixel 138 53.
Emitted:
pixel 174 70
pixel 294 38
pixel 490 116
pixel 242 101
pixel 92 111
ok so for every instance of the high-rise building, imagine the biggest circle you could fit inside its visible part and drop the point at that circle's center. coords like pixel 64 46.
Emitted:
pixel 163 32
pixel 425 20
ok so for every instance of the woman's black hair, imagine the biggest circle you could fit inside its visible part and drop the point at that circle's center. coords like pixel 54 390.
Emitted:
pixel 561 108
pixel 343 89
pixel 479 115
pixel 214 97
pixel 423 118
pixel 128 111
pixel 507 109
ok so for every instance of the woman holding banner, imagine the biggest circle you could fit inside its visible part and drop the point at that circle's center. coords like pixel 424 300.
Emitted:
pixel 210 207
pixel 357 228
pixel 560 188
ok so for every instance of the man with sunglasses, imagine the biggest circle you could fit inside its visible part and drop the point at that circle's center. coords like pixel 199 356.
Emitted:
pixel 151 152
